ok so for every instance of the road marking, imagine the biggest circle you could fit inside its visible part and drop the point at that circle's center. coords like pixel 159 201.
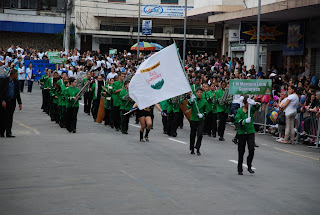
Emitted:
pixel 137 126
pixel 317 159
pixel 230 134
pixel 35 131
pixel 178 141
pixel 81 104
pixel 264 144
pixel 244 165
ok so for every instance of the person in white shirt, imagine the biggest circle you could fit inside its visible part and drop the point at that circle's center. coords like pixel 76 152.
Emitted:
pixel 19 49
pixel 21 77
pixel 112 74
pixel 11 49
pixel 290 109
pixel 29 78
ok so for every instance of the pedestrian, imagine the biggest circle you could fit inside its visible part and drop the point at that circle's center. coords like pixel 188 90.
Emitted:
pixel 246 132
pixel 30 78
pixel 198 106
pixel 73 105
pixel 9 96
pixel 21 77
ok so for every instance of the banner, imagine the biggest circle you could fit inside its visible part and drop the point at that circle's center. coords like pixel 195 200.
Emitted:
pixel 39 65
pixel 295 43
pixel 158 78
pixel 163 10
pixel 53 54
pixel 55 60
pixel 251 87
pixel 270 33
pixel 113 51
pixel 146 27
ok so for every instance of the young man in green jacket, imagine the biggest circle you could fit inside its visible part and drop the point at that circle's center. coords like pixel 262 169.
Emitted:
pixel 125 106
pixel 173 109
pixel 223 110
pixel 72 110
pixel 63 102
pixel 108 103
pixel 164 106
pixel 117 87
pixel 246 132
pixel 198 107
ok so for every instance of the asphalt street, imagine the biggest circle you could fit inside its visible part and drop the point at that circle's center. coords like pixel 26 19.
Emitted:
pixel 46 170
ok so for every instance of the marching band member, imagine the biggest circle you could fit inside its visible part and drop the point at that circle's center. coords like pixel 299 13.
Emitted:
pixel 108 103
pixel 145 119
pixel 198 107
pixel 164 107
pixel 73 105
pixel 173 116
pixel 63 102
pixel 222 110
pixel 117 87
pixel 88 94
pixel 126 105
pixel 96 89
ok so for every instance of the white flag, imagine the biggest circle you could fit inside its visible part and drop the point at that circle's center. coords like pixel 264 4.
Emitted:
pixel 158 78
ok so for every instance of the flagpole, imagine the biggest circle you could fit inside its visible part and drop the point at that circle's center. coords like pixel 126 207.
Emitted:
pixel 185 73
pixel 138 33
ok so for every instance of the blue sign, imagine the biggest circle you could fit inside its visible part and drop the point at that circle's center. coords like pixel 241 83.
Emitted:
pixel 164 10
pixel 147 27
pixel 39 65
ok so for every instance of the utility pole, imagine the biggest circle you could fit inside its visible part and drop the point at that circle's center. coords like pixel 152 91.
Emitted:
pixel 185 33
pixel 138 32
pixel 68 22
pixel 258 36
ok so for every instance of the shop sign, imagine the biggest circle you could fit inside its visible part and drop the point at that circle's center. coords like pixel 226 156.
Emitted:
pixel 270 33
pixel 236 47
pixel 163 10
pixel 251 87
pixel 295 43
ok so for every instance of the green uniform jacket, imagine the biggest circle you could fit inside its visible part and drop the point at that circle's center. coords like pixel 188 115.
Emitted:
pixel 202 105
pixel 43 80
pixel 125 105
pixel 208 96
pixel 240 118
pixel 53 93
pixel 70 93
pixel 116 96
pixel 173 107
pixel 63 99
pixel 221 108
pixel 194 88
pixel 61 82
pixel 164 105
pixel 84 81
pixel 48 83
pixel 107 101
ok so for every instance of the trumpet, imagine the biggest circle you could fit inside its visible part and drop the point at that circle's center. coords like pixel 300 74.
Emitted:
pixel 81 92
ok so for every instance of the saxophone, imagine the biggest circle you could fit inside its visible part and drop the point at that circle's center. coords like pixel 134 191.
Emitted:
pixel 226 99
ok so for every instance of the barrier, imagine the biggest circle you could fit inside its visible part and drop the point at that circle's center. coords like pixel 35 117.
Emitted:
pixel 260 117
pixel 308 128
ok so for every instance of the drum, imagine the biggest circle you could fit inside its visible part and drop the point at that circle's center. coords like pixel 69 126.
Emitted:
pixel 101 112
pixel 185 110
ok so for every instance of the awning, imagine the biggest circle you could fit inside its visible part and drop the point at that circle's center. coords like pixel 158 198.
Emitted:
pixel 289 10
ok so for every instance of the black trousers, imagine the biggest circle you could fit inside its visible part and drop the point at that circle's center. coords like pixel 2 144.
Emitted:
pixel 214 123
pixel 173 123
pixel 95 108
pixel 71 123
pixel 107 117
pixel 222 123
pixel 180 119
pixel 196 130
pixel 6 117
pixel 87 101
pixel 116 116
pixel 21 85
pixel 243 140
pixel 125 121
pixel 165 123
pixel 208 123
pixel 63 116
pixel 46 101
pixel 53 109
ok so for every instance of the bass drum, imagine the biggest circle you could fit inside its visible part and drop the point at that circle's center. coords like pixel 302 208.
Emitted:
pixel 185 110
pixel 101 112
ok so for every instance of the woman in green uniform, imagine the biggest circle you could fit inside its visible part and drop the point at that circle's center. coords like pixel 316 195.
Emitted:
pixel 72 110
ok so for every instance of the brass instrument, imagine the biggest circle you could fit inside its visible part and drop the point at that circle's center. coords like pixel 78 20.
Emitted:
pixel 127 78
pixel 107 90
pixel 226 99
pixel 81 92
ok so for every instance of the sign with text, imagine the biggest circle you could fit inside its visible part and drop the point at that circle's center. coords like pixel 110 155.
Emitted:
pixel 251 87
pixel 53 54
pixel 163 10
pixel 113 51
pixel 270 33
pixel 39 65
pixel 56 60
pixel 147 27
pixel 295 43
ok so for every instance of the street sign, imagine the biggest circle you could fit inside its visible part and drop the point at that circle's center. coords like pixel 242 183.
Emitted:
pixel 146 27
pixel 113 51
pixel 251 87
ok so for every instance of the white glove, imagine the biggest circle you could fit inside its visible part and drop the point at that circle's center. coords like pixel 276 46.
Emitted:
pixel 251 102
pixel 248 120
pixel 200 115
pixel 193 97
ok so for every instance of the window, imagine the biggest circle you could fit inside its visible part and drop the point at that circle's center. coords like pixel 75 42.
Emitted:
pixel 116 0
pixel 22 4
pixel 169 1
pixel 114 28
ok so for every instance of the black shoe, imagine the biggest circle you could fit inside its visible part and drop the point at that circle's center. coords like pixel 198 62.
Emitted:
pixel 221 138
pixel 111 126
pixel 94 120
pixel 235 141
pixel 74 131
pixel 89 114
pixel 174 135
pixel 10 136
pixel 209 135
pixel 117 129
pixel 181 126
pixel 124 132
pixel 192 152
pixel 198 153
pixel 251 171
pixel 214 135
pixel 240 173
pixel 255 145
pixel 147 139
pixel 165 132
